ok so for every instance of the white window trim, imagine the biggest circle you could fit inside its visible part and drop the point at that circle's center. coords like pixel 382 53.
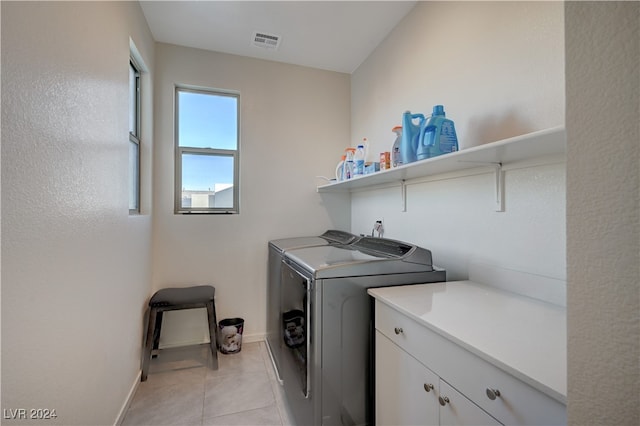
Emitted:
pixel 136 137
pixel 180 150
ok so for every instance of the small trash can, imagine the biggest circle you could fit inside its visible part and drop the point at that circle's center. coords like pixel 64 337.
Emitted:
pixel 230 335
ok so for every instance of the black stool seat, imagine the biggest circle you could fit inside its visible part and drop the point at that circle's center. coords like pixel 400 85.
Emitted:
pixel 171 299
pixel 183 296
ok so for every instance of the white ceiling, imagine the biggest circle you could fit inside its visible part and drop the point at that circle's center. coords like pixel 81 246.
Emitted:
pixel 330 35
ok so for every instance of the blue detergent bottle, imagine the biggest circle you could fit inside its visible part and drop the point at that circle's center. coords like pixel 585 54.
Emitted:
pixel 437 136
pixel 410 136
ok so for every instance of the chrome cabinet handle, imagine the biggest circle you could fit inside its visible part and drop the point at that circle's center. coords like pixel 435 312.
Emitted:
pixel 443 400
pixel 398 330
pixel 428 387
pixel 492 394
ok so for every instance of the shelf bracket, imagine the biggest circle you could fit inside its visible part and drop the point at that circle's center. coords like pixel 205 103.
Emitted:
pixel 403 194
pixel 499 187
pixel 499 184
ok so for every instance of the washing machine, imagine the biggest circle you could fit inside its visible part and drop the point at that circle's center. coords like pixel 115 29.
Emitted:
pixel 327 361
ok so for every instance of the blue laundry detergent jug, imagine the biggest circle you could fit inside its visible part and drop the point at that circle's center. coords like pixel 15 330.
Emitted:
pixel 410 136
pixel 437 136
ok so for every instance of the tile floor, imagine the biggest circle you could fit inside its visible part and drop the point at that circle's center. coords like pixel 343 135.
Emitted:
pixel 182 390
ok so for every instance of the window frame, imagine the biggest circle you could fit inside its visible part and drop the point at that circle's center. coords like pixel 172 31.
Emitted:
pixel 214 152
pixel 134 137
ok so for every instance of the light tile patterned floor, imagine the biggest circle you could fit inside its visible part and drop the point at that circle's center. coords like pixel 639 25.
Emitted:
pixel 181 389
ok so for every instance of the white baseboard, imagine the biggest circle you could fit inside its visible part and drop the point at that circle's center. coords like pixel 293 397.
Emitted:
pixel 256 337
pixel 127 402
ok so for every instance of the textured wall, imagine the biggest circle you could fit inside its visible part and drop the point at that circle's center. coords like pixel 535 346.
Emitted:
pixel 75 265
pixel 498 69
pixel 294 125
pixel 603 211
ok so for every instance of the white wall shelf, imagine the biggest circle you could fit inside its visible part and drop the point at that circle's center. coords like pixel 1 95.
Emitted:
pixel 496 154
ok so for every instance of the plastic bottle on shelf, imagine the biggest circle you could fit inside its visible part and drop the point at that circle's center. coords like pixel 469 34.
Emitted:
pixel 340 169
pixel 349 165
pixel 437 135
pixel 396 158
pixel 359 160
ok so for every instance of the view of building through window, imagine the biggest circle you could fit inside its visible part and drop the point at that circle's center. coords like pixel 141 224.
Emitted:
pixel 206 151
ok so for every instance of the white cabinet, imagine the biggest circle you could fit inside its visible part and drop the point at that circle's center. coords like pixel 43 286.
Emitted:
pixel 409 394
pixel 411 351
pixel 405 389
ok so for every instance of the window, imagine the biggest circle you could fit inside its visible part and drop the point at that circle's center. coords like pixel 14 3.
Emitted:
pixel 134 138
pixel 207 135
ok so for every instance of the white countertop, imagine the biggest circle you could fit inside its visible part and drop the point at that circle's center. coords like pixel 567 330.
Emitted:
pixel 523 336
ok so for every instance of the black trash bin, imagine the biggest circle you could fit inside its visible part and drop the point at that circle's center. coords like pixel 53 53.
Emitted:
pixel 230 335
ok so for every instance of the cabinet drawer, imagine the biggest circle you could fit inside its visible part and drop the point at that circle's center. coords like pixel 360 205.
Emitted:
pixel 502 395
pixel 405 332
pixel 518 403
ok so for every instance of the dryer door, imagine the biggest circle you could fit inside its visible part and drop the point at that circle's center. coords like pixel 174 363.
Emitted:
pixel 297 351
pixel 296 321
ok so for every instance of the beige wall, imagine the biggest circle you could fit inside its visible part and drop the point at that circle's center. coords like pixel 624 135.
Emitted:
pixel 76 268
pixel 75 265
pixel 498 69
pixel 603 212
pixel 516 86
pixel 294 126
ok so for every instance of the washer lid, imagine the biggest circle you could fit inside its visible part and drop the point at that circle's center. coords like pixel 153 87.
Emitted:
pixel 349 261
pixel 384 246
pixel 394 248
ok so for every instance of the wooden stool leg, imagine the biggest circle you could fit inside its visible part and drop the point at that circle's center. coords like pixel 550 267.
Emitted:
pixel 148 346
pixel 213 333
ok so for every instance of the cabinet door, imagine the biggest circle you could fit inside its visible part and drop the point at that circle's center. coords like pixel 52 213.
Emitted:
pixel 456 409
pixel 405 389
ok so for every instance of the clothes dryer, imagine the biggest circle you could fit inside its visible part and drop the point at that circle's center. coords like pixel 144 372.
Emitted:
pixel 277 248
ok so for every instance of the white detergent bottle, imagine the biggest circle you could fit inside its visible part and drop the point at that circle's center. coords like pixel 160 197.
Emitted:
pixel 396 158
pixel 349 165
pixel 358 159
pixel 340 169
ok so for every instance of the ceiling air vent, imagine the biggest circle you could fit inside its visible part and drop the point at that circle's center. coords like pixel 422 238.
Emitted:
pixel 266 41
